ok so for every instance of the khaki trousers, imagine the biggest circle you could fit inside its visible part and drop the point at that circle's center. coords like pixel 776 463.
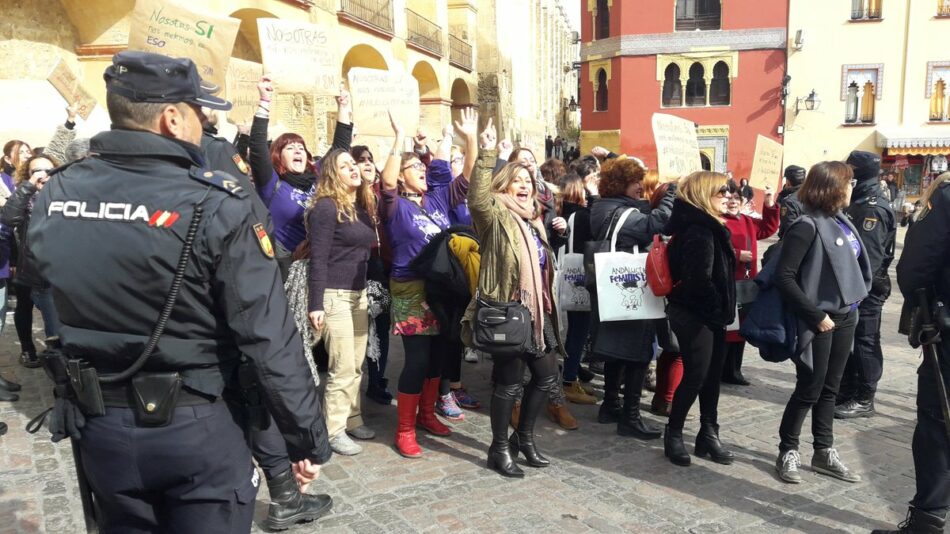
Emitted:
pixel 344 334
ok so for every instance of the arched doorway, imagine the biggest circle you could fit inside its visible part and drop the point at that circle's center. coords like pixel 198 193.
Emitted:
pixel 363 56
pixel 461 98
pixel 433 110
pixel 247 46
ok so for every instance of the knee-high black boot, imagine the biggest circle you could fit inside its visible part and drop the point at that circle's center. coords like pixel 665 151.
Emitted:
pixel 610 408
pixel 501 457
pixel 631 424
pixel 535 397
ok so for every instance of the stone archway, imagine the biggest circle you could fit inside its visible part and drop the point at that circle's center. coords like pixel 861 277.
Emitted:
pixel 247 46
pixel 461 98
pixel 365 56
pixel 433 110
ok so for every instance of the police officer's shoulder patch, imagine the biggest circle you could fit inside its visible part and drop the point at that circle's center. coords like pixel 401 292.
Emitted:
pixel 784 211
pixel 263 240
pixel 870 223
pixel 218 180
pixel 241 165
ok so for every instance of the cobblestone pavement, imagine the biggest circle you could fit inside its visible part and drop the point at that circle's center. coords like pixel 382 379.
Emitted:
pixel 598 481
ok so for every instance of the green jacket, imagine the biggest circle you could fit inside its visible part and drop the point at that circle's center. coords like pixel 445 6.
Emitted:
pixel 499 242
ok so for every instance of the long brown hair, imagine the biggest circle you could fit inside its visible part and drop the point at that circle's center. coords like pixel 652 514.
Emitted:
pixel 23 170
pixel 572 190
pixel 826 187
pixel 330 185
pixel 12 150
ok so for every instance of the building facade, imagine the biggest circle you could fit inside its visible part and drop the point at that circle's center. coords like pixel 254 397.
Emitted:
pixel 881 82
pixel 718 64
pixel 442 43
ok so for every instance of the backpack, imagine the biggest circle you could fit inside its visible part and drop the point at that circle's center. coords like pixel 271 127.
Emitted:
pixel 659 277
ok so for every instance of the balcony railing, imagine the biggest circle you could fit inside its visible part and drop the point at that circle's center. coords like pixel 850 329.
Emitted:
pixel 699 22
pixel 460 53
pixel 423 32
pixel 375 13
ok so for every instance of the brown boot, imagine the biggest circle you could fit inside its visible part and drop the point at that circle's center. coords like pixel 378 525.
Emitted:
pixel 515 415
pixel 560 415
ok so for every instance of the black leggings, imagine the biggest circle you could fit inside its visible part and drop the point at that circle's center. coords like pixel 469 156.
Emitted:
pixel 817 386
pixel 451 363
pixel 23 317
pixel 509 370
pixel 424 355
pixel 704 350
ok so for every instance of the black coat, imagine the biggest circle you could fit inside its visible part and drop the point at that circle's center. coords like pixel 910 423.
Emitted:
pixel 16 214
pixel 790 208
pixel 703 265
pixel 874 220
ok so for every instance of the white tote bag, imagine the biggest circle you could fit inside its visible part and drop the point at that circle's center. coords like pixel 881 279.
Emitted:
pixel 572 295
pixel 622 291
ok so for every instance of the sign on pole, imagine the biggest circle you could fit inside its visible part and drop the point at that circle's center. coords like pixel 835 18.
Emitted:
pixel 767 164
pixel 677 150
pixel 375 93
pixel 67 83
pixel 300 57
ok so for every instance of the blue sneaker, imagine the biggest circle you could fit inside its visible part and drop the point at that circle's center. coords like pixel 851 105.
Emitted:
pixel 448 408
pixel 463 399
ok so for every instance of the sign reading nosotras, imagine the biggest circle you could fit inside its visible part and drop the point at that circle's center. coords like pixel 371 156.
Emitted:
pixel 677 150
pixel 243 77
pixel 299 56
pixel 165 28
pixel 375 93
pixel 67 83
pixel 767 165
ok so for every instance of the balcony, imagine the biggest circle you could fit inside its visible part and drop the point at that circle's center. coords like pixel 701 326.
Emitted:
pixel 460 53
pixel 374 15
pixel 423 33
pixel 711 21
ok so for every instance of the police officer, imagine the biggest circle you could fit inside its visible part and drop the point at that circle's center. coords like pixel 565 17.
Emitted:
pixel 923 264
pixel 167 452
pixel 790 208
pixel 872 216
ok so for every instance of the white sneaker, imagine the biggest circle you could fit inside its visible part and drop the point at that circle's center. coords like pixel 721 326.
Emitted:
pixel 342 444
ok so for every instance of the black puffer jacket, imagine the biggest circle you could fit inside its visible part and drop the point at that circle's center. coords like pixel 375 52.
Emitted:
pixel 703 264
pixel 16 214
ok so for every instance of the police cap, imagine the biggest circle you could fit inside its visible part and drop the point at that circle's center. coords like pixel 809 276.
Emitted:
pixel 148 77
pixel 866 165
pixel 794 174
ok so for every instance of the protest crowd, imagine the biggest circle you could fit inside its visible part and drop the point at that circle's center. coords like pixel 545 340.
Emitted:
pixel 465 247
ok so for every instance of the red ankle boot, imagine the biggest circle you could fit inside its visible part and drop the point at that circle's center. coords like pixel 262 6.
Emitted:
pixel 427 418
pixel 406 445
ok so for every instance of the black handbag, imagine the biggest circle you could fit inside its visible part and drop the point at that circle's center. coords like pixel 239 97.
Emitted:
pixel 502 328
pixel 747 289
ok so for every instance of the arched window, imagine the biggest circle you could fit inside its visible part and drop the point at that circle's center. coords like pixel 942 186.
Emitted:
pixel 938 101
pixel 600 100
pixel 704 162
pixel 867 103
pixel 698 15
pixel 851 104
pixel 602 22
pixel 672 87
pixel 696 86
pixel 719 86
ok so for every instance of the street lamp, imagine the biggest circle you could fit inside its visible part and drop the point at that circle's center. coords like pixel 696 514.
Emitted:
pixel 572 106
pixel 809 103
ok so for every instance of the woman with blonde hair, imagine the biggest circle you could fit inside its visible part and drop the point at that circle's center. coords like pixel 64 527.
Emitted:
pixel 342 230
pixel 702 303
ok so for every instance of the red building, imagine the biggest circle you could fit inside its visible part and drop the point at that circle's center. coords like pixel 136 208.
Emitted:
pixel 718 64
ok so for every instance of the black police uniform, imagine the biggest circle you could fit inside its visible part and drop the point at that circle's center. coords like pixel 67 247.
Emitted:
pixel 924 263
pixel 220 155
pixel 107 233
pixel 790 208
pixel 873 218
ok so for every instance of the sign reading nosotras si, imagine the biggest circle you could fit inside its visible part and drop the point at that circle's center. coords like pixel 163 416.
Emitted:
pixel 299 56
pixel 767 164
pixel 375 93
pixel 165 28
pixel 67 83
pixel 243 77
pixel 677 150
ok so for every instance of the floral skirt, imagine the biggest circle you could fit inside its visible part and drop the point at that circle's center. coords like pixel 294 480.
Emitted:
pixel 410 312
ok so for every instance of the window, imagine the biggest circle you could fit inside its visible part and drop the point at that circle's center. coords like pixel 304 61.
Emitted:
pixel 672 87
pixel 938 102
pixel 851 106
pixel 866 9
pixel 861 87
pixel 867 103
pixel 698 15
pixel 600 99
pixel 719 90
pixel 696 86
pixel 602 20
pixel 943 8
pixel 704 162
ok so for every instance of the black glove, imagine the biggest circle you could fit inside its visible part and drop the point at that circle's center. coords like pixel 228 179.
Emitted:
pixel 65 420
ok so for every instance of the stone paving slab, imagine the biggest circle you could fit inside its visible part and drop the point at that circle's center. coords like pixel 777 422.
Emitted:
pixel 599 482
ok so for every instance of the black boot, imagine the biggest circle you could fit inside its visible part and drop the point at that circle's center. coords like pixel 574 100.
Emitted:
pixel 9 386
pixel 631 424
pixel 288 506
pixel 707 443
pixel 501 457
pixel 6 395
pixel 611 408
pixel 917 522
pixel 535 397
pixel 3 428
pixel 674 448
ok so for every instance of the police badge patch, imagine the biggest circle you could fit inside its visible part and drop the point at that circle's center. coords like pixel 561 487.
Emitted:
pixel 239 161
pixel 263 240
pixel 784 211
pixel 869 223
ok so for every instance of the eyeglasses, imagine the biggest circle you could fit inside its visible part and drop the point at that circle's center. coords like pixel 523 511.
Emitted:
pixel 854 183
pixel 417 166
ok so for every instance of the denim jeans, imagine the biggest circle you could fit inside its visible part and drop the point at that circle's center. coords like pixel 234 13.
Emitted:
pixel 43 300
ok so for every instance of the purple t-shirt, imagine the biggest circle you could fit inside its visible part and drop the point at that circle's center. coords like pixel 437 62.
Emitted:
pixel 6 234
pixel 855 247
pixel 286 204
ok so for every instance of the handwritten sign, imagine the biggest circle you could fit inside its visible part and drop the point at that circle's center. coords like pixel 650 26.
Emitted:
pixel 242 89
pixel 375 93
pixel 677 150
pixel 165 28
pixel 767 164
pixel 299 56
pixel 67 83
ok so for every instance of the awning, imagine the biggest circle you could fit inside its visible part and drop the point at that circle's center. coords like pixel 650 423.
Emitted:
pixel 917 143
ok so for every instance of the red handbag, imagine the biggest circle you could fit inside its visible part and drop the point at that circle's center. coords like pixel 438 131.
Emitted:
pixel 658 268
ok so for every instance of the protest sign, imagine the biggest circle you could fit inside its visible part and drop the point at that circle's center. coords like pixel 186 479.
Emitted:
pixel 300 57
pixel 677 150
pixel 375 93
pixel 242 78
pixel 165 28
pixel 767 164
pixel 67 83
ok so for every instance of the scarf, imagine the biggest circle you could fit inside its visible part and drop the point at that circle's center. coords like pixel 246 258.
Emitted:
pixel 530 282
pixel 302 180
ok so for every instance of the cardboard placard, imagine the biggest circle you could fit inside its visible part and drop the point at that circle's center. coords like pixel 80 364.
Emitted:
pixel 374 93
pixel 242 78
pixel 767 164
pixel 67 83
pixel 677 150
pixel 165 28
pixel 300 57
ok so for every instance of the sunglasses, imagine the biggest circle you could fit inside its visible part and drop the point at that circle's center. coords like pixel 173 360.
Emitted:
pixel 723 192
pixel 854 183
pixel 417 166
